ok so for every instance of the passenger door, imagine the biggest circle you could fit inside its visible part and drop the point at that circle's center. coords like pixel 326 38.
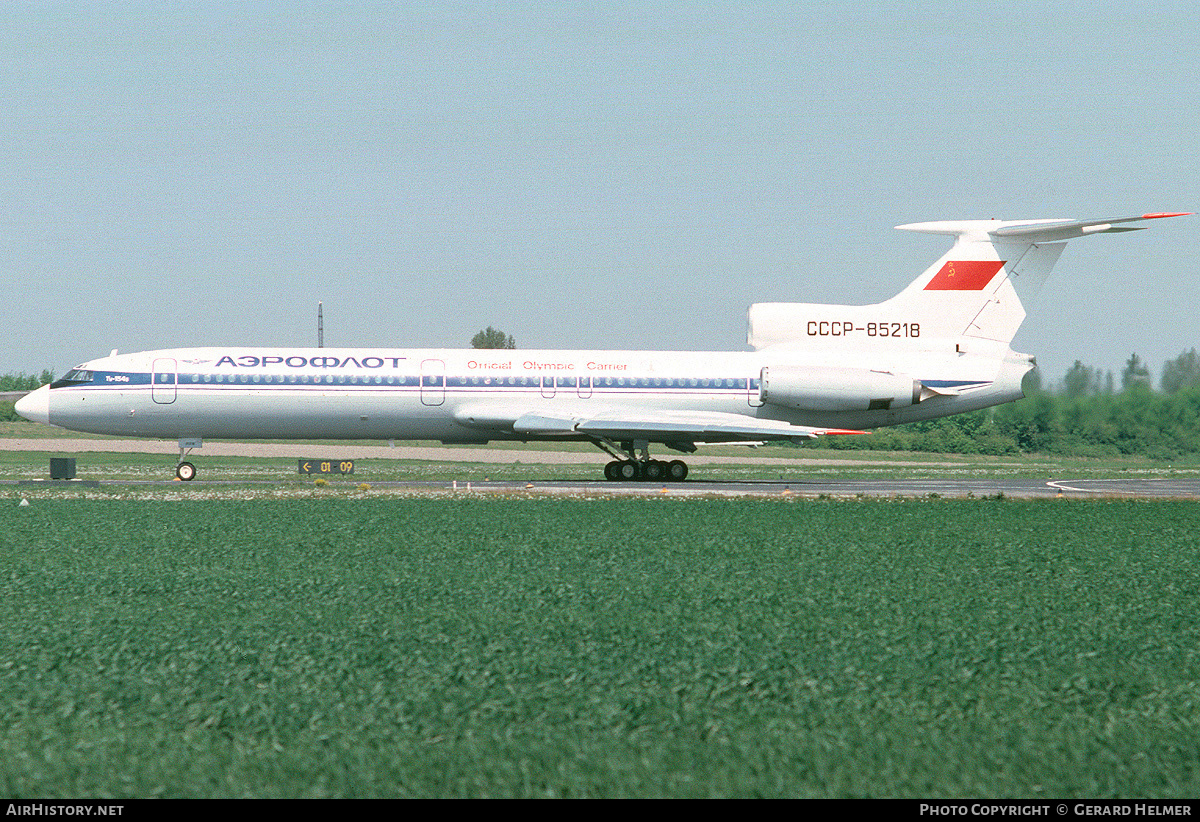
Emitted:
pixel 163 376
pixel 433 382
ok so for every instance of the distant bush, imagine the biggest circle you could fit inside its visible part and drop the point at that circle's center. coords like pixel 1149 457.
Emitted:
pixel 24 382
pixel 1161 426
pixel 20 382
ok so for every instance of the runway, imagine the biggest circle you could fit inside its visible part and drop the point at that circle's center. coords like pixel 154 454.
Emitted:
pixel 931 488
pixel 937 484
pixel 434 453
pixel 1015 487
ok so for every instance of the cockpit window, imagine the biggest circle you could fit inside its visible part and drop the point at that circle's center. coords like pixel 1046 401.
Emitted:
pixel 73 377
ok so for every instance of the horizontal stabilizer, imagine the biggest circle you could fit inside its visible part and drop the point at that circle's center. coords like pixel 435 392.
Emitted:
pixel 1034 231
pixel 1051 231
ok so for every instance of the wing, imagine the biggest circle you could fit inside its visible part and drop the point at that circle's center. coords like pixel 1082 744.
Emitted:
pixel 638 424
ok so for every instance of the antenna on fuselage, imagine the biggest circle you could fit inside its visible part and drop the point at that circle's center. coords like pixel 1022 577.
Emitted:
pixel 320 326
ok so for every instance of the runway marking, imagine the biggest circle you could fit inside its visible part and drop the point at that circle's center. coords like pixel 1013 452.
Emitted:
pixel 1146 487
pixel 1058 485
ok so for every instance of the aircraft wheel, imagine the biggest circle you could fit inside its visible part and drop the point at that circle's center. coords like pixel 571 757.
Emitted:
pixel 185 471
pixel 610 471
pixel 655 470
pixel 628 470
pixel 677 470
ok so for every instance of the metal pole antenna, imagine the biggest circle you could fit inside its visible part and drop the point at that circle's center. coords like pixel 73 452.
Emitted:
pixel 320 326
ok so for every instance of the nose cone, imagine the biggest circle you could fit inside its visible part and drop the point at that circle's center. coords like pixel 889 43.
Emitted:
pixel 35 406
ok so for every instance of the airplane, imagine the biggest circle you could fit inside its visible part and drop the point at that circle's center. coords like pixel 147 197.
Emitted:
pixel 939 347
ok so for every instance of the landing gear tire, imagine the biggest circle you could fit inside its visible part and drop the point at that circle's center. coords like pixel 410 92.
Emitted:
pixel 610 471
pixel 185 471
pixel 677 470
pixel 628 471
pixel 655 470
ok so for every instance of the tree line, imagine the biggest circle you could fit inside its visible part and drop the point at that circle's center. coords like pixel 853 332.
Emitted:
pixel 1089 413
pixel 25 382
pixel 20 382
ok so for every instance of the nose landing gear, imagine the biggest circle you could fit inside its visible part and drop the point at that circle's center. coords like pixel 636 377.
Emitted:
pixel 185 471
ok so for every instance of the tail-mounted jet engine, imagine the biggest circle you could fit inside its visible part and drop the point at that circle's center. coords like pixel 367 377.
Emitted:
pixel 819 388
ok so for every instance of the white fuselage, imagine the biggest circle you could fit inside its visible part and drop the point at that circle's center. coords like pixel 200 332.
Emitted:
pixel 322 393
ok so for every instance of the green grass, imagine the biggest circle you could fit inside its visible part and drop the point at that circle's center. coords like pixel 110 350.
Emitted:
pixel 554 647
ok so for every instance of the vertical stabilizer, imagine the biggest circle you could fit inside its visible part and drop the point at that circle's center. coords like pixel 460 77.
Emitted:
pixel 978 289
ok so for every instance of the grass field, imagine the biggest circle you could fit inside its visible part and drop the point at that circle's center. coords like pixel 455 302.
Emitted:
pixel 559 647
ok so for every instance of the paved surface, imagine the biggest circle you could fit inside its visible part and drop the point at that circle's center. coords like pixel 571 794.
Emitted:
pixel 499 456
pixel 1021 488
pixel 1010 486
pixel 1026 488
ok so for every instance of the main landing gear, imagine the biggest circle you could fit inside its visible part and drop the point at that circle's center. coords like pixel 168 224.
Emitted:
pixel 630 467
pixel 648 470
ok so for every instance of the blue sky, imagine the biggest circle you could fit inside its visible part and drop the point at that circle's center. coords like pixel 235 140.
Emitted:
pixel 589 175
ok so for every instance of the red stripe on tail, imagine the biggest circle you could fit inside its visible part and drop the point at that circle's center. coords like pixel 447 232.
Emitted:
pixel 964 275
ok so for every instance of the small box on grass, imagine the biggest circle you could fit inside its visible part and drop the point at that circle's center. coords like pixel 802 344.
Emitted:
pixel 62 468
